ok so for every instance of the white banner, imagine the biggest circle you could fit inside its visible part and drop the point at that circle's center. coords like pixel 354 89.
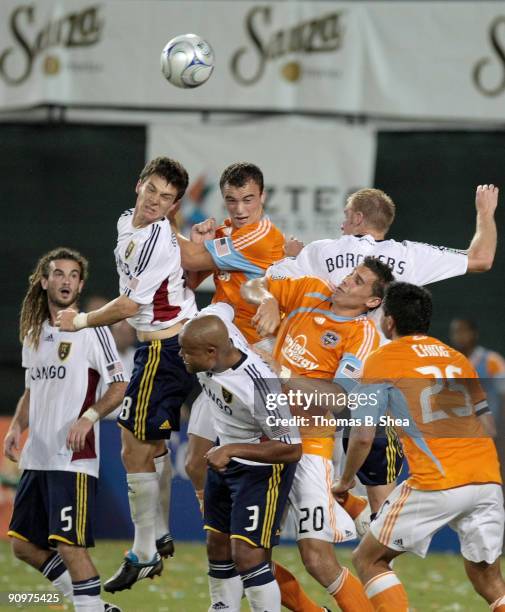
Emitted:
pixel 415 60
pixel 310 166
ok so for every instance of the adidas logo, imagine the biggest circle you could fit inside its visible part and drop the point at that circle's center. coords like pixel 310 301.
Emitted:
pixel 49 338
pixel 165 425
pixel 220 606
pixel 348 533
pixel 398 542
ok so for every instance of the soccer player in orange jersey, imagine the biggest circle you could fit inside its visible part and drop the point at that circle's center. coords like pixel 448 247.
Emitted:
pixel 324 337
pixel 433 392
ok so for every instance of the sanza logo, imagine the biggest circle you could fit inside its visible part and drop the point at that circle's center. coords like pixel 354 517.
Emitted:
pixel 76 29
pixel 321 34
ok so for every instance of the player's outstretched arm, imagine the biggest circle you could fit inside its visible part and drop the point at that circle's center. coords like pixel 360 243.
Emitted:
pixel 482 249
pixel 18 424
pixel 271 451
pixel 194 256
pixel 116 310
pixel 111 399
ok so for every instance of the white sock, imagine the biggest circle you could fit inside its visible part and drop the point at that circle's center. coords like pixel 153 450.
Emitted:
pixel 264 598
pixel 143 495
pixel 261 589
pixel 225 586
pixel 163 466
pixel 84 603
pixel 64 585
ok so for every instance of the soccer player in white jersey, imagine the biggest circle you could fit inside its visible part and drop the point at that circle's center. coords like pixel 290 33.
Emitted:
pixel 156 302
pixel 55 502
pixel 369 214
pixel 252 468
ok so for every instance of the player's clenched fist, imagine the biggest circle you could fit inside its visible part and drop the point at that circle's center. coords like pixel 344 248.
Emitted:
pixel 11 443
pixel 76 438
pixel 65 320
pixel 267 317
pixel 486 199
pixel 218 458
pixel 206 230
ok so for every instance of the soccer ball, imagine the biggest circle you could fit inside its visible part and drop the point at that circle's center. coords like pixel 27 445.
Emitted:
pixel 187 61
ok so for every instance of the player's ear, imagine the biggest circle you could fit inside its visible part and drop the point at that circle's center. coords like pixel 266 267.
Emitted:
pixel 373 302
pixel 263 197
pixel 43 283
pixel 137 186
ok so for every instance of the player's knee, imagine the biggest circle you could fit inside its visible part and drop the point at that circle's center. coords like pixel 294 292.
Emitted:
pixel 195 465
pixel 485 578
pixel 218 546
pixel 246 556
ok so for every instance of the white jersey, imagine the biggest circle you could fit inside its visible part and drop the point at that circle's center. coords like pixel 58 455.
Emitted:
pixel 239 396
pixel 411 262
pixel 62 376
pixel 148 262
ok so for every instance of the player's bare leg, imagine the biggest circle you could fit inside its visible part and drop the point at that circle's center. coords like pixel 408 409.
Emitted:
pixel 253 563
pixel 225 585
pixel 487 580
pixel 85 580
pixel 143 560
pixel 378 494
pixel 321 563
pixel 48 562
pixel 163 465
pixel 372 562
pixel 196 463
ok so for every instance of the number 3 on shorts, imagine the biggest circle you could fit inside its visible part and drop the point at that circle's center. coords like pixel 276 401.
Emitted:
pixel 253 517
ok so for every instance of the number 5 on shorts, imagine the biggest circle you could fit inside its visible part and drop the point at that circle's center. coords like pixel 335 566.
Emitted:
pixel 66 517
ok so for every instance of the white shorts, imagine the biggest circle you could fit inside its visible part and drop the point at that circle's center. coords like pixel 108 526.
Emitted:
pixel 317 515
pixel 409 518
pixel 200 419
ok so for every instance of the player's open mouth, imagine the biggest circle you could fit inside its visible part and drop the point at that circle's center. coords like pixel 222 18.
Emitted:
pixel 65 292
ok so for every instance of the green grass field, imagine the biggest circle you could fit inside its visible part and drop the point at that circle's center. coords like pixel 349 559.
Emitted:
pixel 436 583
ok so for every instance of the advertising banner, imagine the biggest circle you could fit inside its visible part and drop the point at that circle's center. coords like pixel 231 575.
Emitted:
pixel 414 60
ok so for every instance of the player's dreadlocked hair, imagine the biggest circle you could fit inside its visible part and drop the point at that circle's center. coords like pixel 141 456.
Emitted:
pixel 35 308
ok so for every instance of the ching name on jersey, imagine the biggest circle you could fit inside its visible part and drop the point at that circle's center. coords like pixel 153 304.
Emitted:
pixel 433 395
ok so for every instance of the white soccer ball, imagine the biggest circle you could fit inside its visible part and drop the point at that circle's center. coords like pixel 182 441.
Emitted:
pixel 187 61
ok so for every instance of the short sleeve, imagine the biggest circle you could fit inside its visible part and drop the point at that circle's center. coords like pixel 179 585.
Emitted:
pixel 308 262
pixel 227 257
pixel 272 416
pixel 360 344
pixel 104 356
pixel 26 362
pixel 434 263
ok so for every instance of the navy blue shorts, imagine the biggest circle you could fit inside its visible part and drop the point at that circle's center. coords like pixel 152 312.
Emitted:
pixel 248 501
pixel 158 386
pixel 385 460
pixel 54 506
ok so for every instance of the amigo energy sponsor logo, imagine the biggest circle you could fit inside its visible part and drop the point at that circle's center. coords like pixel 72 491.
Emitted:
pixel 31 39
pixel 310 37
pixel 295 351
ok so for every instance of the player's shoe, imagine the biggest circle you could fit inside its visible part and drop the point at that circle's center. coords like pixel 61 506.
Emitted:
pixel 108 607
pixel 131 571
pixel 362 521
pixel 165 546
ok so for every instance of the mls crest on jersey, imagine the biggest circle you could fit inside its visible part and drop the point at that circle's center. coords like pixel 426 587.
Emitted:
pixel 129 249
pixel 227 396
pixel 224 276
pixel 64 350
pixel 330 339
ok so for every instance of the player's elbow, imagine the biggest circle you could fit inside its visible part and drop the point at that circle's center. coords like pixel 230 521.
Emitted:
pixel 127 308
pixel 252 291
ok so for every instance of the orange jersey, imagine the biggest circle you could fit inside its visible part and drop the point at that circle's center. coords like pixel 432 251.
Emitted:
pixel 242 254
pixel 435 389
pixel 316 343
